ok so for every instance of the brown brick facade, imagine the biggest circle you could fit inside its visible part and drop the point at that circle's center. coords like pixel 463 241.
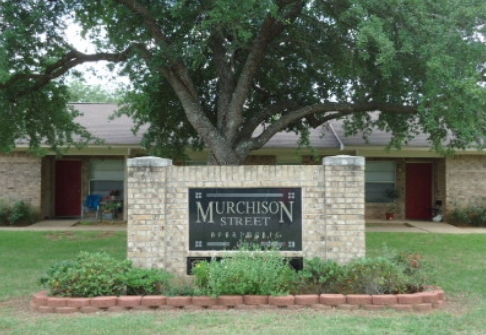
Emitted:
pixel 20 178
pixel 466 182
pixel 456 180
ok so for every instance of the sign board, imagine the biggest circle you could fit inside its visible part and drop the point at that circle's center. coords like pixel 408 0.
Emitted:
pixel 223 218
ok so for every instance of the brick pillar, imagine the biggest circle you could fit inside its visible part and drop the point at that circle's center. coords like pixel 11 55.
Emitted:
pixel 146 211
pixel 344 208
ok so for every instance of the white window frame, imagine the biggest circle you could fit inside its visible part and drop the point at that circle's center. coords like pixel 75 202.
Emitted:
pixel 380 181
pixel 107 174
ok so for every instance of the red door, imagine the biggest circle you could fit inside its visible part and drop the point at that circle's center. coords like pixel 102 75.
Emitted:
pixel 68 188
pixel 418 191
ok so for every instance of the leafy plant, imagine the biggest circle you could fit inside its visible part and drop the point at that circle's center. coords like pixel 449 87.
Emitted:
pixel 419 271
pixel 318 276
pixel 4 212
pixel 472 215
pixel 97 273
pixel 201 272
pixel 147 281
pixel 18 212
pixel 89 275
pixel 245 272
pixel 372 276
pixel 392 272
pixel 182 287
pixel 111 206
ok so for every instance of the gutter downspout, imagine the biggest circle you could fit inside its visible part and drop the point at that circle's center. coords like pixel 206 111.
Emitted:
pixel 341 144
pixel 125 185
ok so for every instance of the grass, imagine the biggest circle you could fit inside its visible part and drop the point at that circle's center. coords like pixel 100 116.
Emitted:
pixel 24 256
pixel 97 222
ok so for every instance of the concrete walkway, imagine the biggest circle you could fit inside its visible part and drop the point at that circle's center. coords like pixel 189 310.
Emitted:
pixel 69 225
pixel 412 226
pixel 395 226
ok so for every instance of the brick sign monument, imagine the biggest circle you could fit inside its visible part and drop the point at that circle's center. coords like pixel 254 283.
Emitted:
pixel 178 214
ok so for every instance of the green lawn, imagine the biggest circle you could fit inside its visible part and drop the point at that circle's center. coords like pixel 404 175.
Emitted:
pixel 461 265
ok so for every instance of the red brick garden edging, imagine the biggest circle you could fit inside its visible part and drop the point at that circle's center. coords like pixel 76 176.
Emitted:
pixel 423 301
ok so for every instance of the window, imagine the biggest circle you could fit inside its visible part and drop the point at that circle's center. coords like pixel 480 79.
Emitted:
pixel 107 175
pixel 380 178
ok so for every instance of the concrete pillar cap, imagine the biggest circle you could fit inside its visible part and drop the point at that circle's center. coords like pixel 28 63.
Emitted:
pixel 149 161
pixel 344 160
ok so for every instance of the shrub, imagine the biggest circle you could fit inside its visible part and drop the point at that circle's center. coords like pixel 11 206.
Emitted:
pixel 389 274
pixel 419 272
pixel 18 212
pixel 182 287
pixel 4 213
pixel 89 275
pixel 372 276
pixel 318 276
pixel 147 281
pixel 96 274
pixel 201 272
pixel 473 215
pixel 245 272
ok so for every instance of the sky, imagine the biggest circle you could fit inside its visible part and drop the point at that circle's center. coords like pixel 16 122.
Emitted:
pixel 95 74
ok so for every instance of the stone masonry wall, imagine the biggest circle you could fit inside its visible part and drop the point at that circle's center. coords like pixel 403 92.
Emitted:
pixel 20 178
pixel 158 202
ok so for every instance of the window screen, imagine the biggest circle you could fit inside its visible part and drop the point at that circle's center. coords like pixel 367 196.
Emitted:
pixel 107 175
pixel 380 178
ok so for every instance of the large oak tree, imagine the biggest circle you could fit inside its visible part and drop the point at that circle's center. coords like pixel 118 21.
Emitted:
pixel 230 74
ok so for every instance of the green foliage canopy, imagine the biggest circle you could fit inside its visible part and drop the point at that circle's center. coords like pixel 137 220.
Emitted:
pixel 230 74
pixel 81 92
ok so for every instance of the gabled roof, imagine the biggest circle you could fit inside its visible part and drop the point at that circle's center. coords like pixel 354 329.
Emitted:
pixel 377 138
pixel 118 131
pixel 96 118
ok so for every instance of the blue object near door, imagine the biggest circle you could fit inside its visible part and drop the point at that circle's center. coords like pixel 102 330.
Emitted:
pixel 92 204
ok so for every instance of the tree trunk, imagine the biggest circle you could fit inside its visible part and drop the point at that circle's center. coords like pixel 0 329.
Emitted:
pixel 229 159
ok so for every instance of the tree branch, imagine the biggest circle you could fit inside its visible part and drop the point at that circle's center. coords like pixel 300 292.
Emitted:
pixel 176 73
pixel 271 28
pixel 272 110
pixel 148 19
pixel 178 67
pixel 223 153
pixel 63 65
pixel 226 83
pixel 334 110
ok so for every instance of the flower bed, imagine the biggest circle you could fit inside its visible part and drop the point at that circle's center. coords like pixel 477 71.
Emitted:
pixel 431 299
